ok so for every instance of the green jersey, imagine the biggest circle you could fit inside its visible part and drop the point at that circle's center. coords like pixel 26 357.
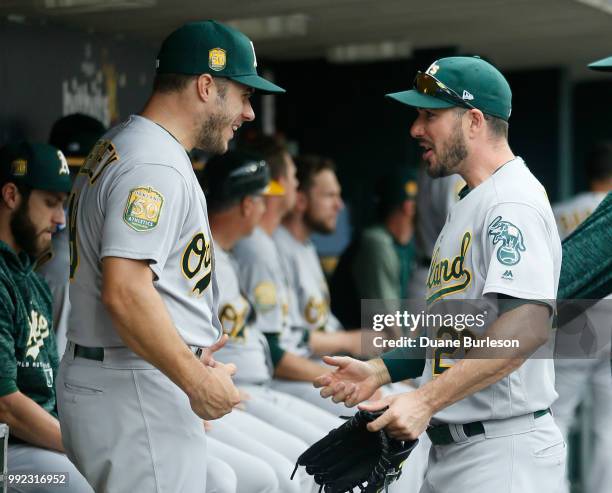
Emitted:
pixel 28 353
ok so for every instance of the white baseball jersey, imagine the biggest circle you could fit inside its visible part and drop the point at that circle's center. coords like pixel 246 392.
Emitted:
pixel 499 238
pixel 137 197
pixel 262 279
pixel 306 279
pixel 571 213
pixel 247 347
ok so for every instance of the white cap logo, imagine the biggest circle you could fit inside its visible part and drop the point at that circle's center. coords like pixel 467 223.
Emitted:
pixel 467 96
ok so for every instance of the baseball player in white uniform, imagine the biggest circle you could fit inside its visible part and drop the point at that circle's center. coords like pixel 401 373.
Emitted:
pixel 487 417
pixel 135 381
pixel 575 377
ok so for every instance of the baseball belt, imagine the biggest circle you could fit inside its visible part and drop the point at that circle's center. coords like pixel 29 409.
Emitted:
pixel 441 435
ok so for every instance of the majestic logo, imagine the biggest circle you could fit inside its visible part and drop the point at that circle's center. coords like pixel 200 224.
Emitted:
pixel 197 262
pixel 64 169
pixel 217 59
pixel 467 96
pixel 448 276
pixel 39 331
pixel 508 275
pixel 511 239
pixel 433 69
pixel 143 208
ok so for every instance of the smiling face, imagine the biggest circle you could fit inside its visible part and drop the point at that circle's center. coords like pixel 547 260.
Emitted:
pixel 440 133
pixel 35 219
pixel 231 108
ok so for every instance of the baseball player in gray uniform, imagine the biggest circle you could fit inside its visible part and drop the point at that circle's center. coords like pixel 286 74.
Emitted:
pixel 487 418
pixel 263 281
pixel 318 203
pixel 574 377
pixel 135 383
pixel 234 184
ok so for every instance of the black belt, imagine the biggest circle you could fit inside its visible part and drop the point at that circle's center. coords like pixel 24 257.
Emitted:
pixel 97 353
pixel 441 435
pixel 94 353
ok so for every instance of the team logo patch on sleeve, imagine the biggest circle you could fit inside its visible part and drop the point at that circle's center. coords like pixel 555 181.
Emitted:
pixel 143 208
pixel 511 239
pixel 265 295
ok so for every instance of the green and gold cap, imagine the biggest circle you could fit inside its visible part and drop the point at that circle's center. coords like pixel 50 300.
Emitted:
pixel 603 65
pixel 209 47
pixel 39 166
pixel 473 79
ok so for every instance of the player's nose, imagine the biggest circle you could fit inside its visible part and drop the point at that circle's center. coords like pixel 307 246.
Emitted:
pixel 247 112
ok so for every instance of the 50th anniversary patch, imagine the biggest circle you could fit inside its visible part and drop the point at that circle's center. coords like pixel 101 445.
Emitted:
pixel 143 208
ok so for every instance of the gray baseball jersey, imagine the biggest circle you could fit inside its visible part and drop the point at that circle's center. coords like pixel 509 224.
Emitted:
pixel 137 197
pixel 262 279
pixel 571 213
pixel 247 346
pixel 307 282
pixel 500 238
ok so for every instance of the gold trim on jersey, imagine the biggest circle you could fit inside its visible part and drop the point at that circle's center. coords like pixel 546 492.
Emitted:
pixel 443 271
pixel 103 154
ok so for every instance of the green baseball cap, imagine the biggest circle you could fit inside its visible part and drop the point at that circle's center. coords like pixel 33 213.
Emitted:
pixel 603 65
pixel 397 185
pixel 209 47
pixel 462 81
pixel 39 166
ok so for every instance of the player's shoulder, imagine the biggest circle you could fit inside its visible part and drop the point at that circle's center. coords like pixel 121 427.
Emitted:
pixel 139 140
pixel 376 235
pixel 258 245
pixel 514 183
pixel 283 238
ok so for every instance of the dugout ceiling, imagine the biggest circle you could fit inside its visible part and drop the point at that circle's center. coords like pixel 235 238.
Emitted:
pixel 516 34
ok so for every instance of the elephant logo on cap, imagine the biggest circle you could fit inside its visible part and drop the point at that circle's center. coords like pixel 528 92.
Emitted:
pixel 511 238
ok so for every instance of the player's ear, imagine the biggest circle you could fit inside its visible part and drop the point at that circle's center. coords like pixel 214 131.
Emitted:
pixel 246 206
pixel 476 121
pixel 10 195
pixel 204 84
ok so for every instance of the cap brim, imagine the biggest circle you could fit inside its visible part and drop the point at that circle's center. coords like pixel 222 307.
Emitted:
pixel 604 65
pixel 259 83
pixel 273 188
pixel 418 100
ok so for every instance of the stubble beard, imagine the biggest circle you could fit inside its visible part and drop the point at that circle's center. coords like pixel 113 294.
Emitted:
pixel 210 136
pixel 453 155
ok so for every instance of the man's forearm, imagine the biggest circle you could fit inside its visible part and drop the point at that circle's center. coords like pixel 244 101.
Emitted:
pixel 293 367
pixel 30 422
pixel 141 319
pixel 528 324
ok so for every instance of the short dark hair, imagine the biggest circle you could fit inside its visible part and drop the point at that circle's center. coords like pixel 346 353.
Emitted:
pixel 309 166
pixel 498 127
pixel 598 164
pixel 273 150
pixel 166 83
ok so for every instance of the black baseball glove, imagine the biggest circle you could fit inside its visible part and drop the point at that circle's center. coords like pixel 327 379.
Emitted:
pixel 351 457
